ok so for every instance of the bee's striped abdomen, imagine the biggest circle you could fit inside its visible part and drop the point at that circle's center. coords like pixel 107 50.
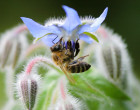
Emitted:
pixel 79 67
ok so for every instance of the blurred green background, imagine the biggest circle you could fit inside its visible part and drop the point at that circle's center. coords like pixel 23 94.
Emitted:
pixel 123 17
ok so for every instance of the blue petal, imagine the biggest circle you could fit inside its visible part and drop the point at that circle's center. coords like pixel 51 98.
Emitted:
pixel 100 19
pixel 38 30
pixel 95 25
pixel 66 44
pixel 86 38
pixel 85 28
pixel 49 39
pixel 72 18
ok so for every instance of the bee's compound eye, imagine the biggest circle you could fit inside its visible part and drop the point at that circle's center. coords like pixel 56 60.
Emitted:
pixel 57 47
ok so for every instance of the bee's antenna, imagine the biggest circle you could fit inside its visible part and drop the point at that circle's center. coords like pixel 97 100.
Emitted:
pixel 54 39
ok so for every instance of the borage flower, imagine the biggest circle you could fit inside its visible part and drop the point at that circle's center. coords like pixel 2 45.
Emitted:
pixel 72 28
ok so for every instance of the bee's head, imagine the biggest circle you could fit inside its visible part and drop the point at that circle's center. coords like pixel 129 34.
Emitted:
pixel 57 47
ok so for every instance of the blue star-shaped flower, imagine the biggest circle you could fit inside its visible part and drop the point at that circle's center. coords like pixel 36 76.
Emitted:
pixel 71 29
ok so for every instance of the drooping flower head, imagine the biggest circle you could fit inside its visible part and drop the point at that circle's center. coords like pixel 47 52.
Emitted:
pixel 71 28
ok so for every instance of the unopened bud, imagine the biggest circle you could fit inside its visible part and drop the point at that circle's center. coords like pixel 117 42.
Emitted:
pixel 27 89
pixel 112 59
pixel 112 56
pixel 6 53
pixel 13 44
pixel 17 54
pixel 28 83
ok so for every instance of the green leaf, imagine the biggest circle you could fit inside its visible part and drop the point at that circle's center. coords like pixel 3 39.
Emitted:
pixel 92 36
pixel 85 90
pixel 97 92
pixel 108 88
pixel 117 105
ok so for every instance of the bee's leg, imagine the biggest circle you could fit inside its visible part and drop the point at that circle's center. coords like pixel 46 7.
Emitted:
pixel 67 53
pixel 69 45
pixel 69 76
pixel 77 48
pixel 81 58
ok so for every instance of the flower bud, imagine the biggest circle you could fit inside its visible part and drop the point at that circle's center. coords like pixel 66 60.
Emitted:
pixel 6 53
pixel 112 57
pixel 17 54
pixel 27 88
pixel 28 83
pixel 13 44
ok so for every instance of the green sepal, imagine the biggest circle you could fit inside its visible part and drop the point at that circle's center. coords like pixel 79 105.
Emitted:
pixel 40 38
pixel 92 36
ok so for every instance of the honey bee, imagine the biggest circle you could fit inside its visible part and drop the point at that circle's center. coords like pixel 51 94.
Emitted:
pixel 63 56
